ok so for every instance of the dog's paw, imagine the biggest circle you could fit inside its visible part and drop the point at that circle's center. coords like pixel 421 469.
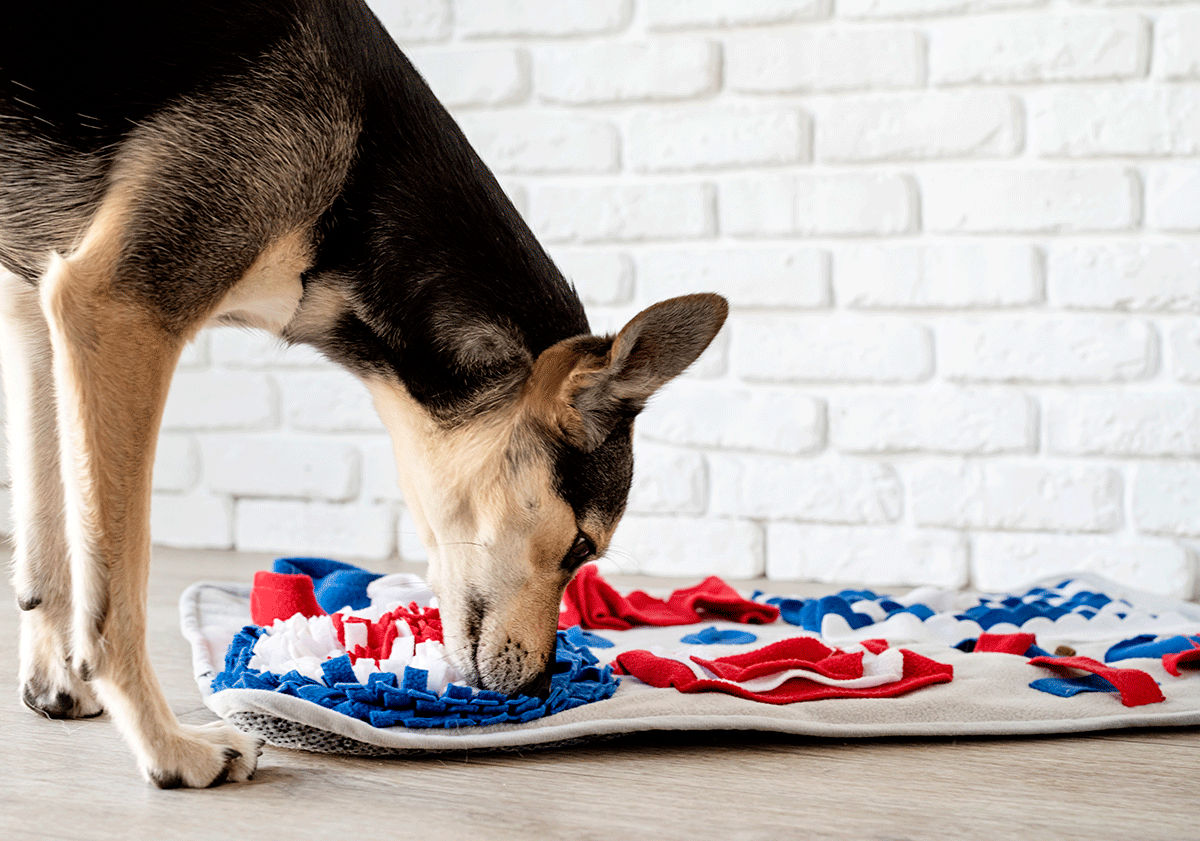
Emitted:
pixel 55 701
pixel 202 757
pixel 54 690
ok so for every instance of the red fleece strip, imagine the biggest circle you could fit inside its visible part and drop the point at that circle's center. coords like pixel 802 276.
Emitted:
pixel 1189 658
pixel 794 653
pixel 1136 687
pixel 277 595
pixel 425 622
pixel 662 672
pixel 592 602
pixel 1005 643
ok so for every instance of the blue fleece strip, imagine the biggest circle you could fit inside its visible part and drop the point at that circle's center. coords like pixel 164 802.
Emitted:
pixel 714 636
pixel 810 613
pixel 336 584
pixel 1038 602
pixel 579 637
pixel 1148 645
pixel 1065 687
pixel 387 700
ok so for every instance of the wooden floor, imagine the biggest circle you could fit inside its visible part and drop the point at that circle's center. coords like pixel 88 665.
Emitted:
pixel 75 780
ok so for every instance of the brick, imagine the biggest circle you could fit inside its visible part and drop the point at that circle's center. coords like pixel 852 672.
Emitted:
pixel 921 8
pixel 1173 197
pixel 176 463
pixel 817 60
pixel 1103 122
pixel 1136 277
pixel 1029 200
pixel 195 353
pixel 622 212
pixel 731 417
pixel 713 136
pixel 192 521
pixel 1001 562
pixel 327 401
pixel 517 194
pixel 274 466
pixel 763 276
pixel 1166 499
pixel 379 479
pixel 686 14
pixel 1007 496
pixel 536 142
pixel 830 349
pixel 413 21
pixel 825 204
pixel 1124 424
pixel 920 126
pixel 220 400
pixel 619 71
pixel 680 546
pixel 1185 351
pixel 539 18
pixel 236 347
pixel 463 77
pixel 1076 349
pixel 667 480
pixel 942 276
pixel 1177 44
pixel 1038 48
pixel 874 556
pixel 411 548
pixel 941 420
pixel 365 532
pixel 809 490
pixel 600 277
pixel 605 320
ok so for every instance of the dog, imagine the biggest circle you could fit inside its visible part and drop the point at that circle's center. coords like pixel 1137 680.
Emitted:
pixel 280 164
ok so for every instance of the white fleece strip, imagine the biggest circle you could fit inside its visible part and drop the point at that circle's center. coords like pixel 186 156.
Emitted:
pixel 303 643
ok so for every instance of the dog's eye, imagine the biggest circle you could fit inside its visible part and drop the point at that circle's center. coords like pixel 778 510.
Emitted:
pixel 581 551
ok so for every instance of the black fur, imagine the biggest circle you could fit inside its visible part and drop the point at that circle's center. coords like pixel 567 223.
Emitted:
pixel 596 482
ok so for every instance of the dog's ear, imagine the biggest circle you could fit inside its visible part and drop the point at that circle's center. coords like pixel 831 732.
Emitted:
pixel 583 386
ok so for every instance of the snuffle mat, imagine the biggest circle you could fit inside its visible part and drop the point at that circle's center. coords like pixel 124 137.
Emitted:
pixel 328 657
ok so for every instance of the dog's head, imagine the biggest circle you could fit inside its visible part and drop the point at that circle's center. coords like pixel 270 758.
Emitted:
pixel 513 501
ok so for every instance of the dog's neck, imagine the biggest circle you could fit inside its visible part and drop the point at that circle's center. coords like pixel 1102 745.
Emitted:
pixel 443 283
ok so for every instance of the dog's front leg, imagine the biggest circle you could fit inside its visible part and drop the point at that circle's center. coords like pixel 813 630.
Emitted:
pixel 113 362
pixel 41 573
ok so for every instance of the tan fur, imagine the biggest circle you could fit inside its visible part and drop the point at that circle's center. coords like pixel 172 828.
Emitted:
pixel 317 311
pixel 112 367
pixel 268 294
pixel 41 574
pixel 481 495
pixel 559 372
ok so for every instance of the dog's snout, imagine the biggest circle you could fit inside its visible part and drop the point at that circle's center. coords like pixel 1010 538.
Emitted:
pixel 539 686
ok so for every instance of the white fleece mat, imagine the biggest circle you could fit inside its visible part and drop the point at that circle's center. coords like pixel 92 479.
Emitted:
pixel 989 693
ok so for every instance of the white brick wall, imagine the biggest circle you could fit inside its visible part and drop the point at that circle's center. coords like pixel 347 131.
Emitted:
pixel 961 239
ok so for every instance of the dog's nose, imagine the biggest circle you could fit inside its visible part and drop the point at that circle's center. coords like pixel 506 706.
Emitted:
pixel 540 685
